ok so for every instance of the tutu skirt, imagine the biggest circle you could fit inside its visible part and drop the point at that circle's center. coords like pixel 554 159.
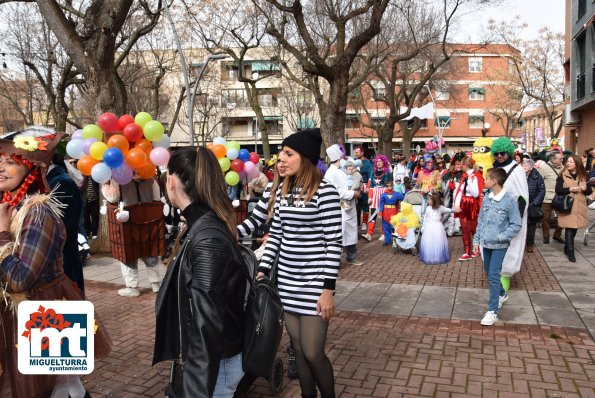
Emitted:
pixel 433 246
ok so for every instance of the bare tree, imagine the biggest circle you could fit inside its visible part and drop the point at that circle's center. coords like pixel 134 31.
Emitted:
pixel 325 37
pixel 93 35
pixel 539 67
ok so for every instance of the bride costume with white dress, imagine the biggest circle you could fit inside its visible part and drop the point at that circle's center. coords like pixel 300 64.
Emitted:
pixel 433 247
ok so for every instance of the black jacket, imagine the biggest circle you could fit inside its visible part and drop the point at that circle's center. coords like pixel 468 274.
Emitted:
pixel 200 305
pixel 536 188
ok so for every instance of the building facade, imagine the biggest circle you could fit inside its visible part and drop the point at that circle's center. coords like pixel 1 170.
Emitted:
pixel 579 71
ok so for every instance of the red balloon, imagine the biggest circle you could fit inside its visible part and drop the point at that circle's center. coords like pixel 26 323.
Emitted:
pixel 254 158
pixel 237 165
pixel 124 121
pixel 133 132
pixel 108 122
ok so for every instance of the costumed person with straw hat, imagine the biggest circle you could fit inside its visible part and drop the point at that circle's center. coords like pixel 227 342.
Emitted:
pixel 516 185
pixel 31 263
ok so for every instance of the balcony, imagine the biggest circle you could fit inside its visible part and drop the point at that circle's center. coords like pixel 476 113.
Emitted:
pixel 580 86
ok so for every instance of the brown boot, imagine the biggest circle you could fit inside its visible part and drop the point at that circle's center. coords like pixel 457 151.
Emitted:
pixel 529 249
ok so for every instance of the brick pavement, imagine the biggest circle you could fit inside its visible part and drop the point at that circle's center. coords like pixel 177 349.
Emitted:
pixel 381 265
pixel 375 356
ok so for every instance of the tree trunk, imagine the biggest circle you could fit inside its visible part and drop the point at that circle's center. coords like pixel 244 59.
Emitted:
pixel 106 89
pixel 333 122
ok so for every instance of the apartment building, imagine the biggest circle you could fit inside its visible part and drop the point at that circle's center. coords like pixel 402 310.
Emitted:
pixel 476 95
pixel 579 71
pixel 536 130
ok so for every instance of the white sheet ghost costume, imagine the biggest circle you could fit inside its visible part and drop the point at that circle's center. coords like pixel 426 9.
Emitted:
pixel 516 185
pixel 338 178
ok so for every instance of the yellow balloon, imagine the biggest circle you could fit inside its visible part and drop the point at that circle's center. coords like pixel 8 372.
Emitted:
pixel 97 150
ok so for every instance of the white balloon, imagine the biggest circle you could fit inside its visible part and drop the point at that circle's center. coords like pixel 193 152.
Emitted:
pixel 74 149
pixel 232 153
pixel 101 173
pixel 165 142
pixel 218 140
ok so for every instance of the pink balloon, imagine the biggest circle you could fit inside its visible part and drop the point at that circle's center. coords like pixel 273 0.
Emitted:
pixel 248 167
pixel 108 122
pixel 254 173
pixel 159 156
pixel 254 158
pixel 242 175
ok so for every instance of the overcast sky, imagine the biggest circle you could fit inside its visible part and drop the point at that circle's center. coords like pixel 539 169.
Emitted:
pixel 536 13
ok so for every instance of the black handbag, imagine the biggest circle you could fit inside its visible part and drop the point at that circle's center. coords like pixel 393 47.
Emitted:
pixel 535 213
pixel 263 326
pixel 562 203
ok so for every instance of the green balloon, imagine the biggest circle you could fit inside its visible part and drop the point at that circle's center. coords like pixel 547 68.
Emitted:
pixel 92 131
pixel 232 178
pixel 153 130
pixel 142 118
pixel 225 164
pixel 233 144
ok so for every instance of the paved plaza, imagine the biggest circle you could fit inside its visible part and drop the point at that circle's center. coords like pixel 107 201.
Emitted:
pixel 404 329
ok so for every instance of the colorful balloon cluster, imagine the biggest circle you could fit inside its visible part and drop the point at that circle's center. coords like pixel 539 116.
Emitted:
pixel 131 144
pixel 238 164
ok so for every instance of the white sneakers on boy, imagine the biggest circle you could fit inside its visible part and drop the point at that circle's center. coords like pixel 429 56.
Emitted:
pixel 502 300
pixel 129 292
pixel 489 318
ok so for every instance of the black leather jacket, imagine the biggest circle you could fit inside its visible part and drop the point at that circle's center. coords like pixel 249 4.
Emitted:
pixel 199 307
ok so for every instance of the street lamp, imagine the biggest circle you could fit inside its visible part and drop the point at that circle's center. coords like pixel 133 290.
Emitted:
pixel 192 98
pixel 484 130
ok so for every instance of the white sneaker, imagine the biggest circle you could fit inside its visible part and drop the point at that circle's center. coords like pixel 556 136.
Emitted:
pixel 354 262
pixel 592 206
pixel 381 237
pixel 502 300
pixel 367 237
pixel 489 318
pixel 129 292
pixel 155 286
pixel 364 227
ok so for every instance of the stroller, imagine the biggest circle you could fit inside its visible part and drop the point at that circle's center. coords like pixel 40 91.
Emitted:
pixel 411 241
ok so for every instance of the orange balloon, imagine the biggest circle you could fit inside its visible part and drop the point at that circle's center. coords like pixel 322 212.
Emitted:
pixel 219 150
pixel 209 145
pixel 136 158
pixel 147 171
pixel 85 164
pixel 145 145
pixel 118 141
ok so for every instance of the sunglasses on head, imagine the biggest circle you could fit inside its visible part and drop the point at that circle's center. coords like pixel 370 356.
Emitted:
pixel 500 153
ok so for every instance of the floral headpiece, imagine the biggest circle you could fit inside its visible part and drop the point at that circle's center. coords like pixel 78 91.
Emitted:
pixel 35 144
pixel 385 162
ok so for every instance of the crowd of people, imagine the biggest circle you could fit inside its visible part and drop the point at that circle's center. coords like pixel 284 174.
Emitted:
pixel 316 212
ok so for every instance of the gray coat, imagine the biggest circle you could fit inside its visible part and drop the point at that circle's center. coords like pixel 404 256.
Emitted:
pixel 549 179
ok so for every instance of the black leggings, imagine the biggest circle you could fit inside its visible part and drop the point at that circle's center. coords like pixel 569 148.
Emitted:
pixel 308 334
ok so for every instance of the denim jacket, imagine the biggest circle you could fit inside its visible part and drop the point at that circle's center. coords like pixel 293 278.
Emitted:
pixel 499 221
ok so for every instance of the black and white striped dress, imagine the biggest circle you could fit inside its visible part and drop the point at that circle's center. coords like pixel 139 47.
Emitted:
pixel 258 216
pixel 308 239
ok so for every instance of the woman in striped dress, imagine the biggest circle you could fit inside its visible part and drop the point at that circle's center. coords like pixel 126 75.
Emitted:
pixel 306 236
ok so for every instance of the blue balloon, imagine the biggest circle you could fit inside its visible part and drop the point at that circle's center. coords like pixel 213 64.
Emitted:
pixel 113 157
pixel 244 155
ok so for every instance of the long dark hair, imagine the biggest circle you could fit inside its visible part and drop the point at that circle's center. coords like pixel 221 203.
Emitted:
pixel 201 176
pixel 581 172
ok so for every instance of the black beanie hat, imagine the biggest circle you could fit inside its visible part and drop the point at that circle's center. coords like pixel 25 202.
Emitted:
pixel 306 142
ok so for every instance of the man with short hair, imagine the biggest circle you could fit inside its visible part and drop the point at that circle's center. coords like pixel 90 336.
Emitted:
pixel 550 172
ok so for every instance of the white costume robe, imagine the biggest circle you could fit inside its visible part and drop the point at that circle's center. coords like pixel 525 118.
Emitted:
pixel 348 212
pixel 516 185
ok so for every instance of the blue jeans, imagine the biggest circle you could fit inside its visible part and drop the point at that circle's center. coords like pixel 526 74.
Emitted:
pixel 230 374
pixel 492 263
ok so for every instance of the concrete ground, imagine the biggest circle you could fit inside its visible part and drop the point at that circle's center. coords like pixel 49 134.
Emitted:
pixel 404 329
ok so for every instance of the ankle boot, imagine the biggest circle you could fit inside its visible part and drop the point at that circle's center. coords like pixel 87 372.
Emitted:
pixel 569 246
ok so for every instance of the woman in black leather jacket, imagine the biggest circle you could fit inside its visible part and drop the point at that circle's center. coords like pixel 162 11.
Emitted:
pixel 536 195
pixel 199 308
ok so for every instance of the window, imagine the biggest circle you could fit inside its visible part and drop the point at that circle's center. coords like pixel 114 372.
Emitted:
pixel 274 125
pixel 379 92
pixel 511 66
pixel 229 72
pixel 475 64
pixel 354 97
pixel 234 99
pixel 305 122
pixel 351 122
pixel 267 97
pixel 581 9
pixel 442 95
pixel 261 69
pixel 476 93
pixel 581 65
pixel 378 120
pixel 476 121
pixel 422 125
pixel 442 121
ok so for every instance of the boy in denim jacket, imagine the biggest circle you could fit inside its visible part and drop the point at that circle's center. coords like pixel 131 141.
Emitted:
pixel 499 221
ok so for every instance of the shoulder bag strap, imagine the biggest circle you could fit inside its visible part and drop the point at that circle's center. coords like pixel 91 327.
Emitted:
pixel 551 167
pixel 511 169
